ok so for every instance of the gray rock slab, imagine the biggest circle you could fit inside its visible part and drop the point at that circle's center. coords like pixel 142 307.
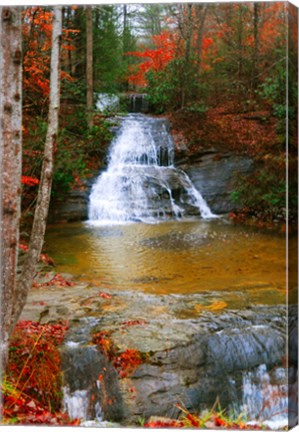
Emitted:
pixel 215 178
pixel 190 361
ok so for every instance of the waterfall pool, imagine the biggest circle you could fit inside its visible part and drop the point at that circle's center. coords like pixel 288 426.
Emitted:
pixel 167 262
pixel 175 257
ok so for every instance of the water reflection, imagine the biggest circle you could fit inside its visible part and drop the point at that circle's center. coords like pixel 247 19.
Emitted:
pixel 174 257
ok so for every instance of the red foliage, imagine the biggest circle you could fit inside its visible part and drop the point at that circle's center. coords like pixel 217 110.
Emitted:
pixel 220 422
pixel 30 181
pixel 243 133
pixel 127 361
pixel 132 323
pixel 192 419
pixel 105 295
pixel 103 340
pixel 37 33
pixel 157 58
pixel 47 259
pixel 124 362
pixel 23 247
pixel 164 424
pixel 57 280
pixel 33 374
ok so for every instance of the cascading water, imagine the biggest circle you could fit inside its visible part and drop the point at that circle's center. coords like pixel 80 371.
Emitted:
pixel 138 103
pixel 265 396
pixel 141 182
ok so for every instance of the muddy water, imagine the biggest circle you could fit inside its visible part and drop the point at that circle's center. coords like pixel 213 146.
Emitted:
pixel 174 257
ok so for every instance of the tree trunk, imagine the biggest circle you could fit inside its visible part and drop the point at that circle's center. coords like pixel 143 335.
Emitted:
pixel 256 45
pixel 11 162
pixel 44 191
pixel 89 66
pixel 201 12
pixel 188 39
pixel 125 18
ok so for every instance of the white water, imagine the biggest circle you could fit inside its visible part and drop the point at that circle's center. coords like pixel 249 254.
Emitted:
pixel 264 400
pixel 76 403
pixel 107 102
pixel 141 182
pixel 265 397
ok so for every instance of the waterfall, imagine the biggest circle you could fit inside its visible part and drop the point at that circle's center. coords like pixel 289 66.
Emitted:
pixel 141 183
pixel 81 363
pixel 137 103
pixel 265 396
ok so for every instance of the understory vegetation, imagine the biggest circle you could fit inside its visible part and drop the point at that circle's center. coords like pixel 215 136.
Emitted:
pixel 31 388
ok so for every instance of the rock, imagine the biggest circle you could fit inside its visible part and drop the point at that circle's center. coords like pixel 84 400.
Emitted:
pixel 72 208
pixel 191 361
pixel 215 178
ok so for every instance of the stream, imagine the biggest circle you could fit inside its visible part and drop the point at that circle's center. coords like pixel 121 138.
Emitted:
pixel 209 292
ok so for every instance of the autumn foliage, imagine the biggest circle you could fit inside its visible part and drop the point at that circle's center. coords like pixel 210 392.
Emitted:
pixel 30 181
pixel 37 32
pixel 32 386
pixel 165 46
pixel 124 362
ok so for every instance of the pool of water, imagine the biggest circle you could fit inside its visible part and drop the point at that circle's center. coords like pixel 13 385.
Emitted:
pixel 174 258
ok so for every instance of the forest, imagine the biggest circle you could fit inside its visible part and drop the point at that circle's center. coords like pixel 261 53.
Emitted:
pixel 223 67
pixel 224 75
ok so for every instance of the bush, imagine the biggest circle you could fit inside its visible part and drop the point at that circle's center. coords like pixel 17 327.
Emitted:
pixel 263 195
pixel 32 386
pixel 95 137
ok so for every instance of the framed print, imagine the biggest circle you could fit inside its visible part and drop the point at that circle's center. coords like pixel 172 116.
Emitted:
pixel 149 241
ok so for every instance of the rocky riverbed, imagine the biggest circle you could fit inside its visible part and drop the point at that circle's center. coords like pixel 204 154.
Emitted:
pixel 193 349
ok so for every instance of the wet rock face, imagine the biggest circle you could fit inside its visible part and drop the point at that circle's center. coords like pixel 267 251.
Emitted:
pixel 215 176
pixel 188 361
pixel 72 209
pixel 209 366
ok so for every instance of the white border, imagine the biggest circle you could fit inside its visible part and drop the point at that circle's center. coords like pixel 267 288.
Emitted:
pixel 94 2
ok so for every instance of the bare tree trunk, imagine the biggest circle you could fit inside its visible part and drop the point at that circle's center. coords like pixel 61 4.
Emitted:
pixel 89 66
pixel 201 12
pixel 11 163
pixel 188 39
pixel 256 45
pixel 125 18
pixel 44 192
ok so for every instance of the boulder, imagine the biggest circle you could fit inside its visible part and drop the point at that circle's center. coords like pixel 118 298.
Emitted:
pixel 214 175
pixel 190 361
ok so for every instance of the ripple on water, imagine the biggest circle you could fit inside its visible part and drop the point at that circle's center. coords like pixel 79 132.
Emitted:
pixel 175 258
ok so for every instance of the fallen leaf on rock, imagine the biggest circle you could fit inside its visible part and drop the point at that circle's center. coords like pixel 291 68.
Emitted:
pixel 132 323
pixel 105 295
pixel 47 259
pixel 41 303
pixel 218 305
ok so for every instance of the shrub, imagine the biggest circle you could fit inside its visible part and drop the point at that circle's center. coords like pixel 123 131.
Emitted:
pixel 32 385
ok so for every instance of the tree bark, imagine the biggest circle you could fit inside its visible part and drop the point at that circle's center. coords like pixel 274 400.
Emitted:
pixel 256 45
pixel 11 162
pixel 89 66
pixel 44 192
pixel 188 39
pixel 125 18
pixel 201 12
